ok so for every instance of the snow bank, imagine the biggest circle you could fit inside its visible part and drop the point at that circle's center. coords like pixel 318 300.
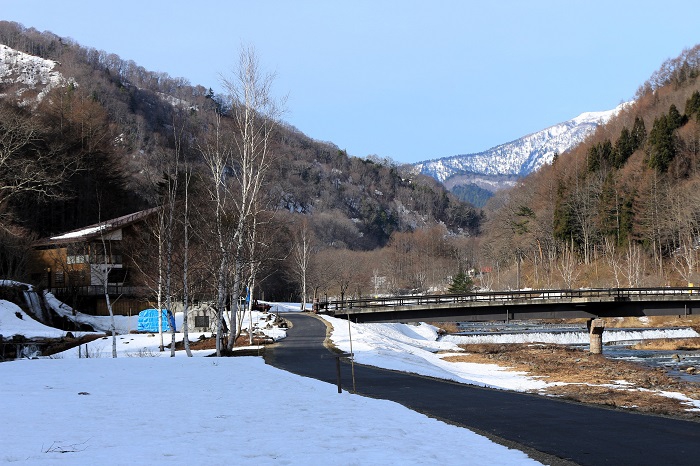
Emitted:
pixel 14 321
pixel 120 411
pixel 123 324
pixel 413 348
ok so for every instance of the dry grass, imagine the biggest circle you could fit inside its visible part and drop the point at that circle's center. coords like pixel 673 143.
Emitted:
pixel 448 327
pixel 670 344
pixel 589 378
pixel 210 343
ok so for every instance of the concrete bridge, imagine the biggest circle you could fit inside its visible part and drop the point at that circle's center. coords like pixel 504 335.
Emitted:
pixel 591 304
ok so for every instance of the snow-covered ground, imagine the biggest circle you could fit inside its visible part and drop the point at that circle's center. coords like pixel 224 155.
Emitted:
pixel 213 411
pixel 66 410
pixel 414 348
pixel 14 321
pixel 31 71
pixel 153 409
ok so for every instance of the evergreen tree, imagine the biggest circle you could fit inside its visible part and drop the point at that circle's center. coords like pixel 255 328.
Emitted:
pixel 675 119
pixel 692 105
pixel 609 208
pixel 624 148
pixel 662 144
pixel 563 221
pixel 614 210
pixel 639 133
pixel 626 218
pixel 461 283
pixel 600 155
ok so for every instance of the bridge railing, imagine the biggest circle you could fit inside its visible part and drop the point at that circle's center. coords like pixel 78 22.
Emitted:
pixel 514 297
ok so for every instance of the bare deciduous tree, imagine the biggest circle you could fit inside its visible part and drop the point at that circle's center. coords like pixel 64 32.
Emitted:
pixel 238 161
pixel 613 259
pixel 186 259
pixel 633 260
pixel 301 255
pixel 217 156
pixel 568 266
pixel 103 273
pixel 255 113
pixel 25 164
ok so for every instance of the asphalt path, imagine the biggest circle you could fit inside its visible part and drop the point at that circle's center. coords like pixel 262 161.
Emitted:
pixel 548 429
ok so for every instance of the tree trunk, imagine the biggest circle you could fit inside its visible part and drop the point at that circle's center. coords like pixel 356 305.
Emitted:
pixel 185 269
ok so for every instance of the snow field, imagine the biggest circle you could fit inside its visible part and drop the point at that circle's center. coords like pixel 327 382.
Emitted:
pixel 235 409
pixel 209 411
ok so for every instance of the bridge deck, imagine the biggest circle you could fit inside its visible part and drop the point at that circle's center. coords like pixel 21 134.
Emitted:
pixel 518 305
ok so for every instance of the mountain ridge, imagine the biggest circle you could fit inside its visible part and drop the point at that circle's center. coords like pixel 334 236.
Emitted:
pixel 519 157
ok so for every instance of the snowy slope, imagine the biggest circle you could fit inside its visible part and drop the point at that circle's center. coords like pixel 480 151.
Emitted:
pixel 29 72
pixel 522 156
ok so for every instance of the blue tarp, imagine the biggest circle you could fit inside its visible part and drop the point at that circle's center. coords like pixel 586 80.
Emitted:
pixel 148 320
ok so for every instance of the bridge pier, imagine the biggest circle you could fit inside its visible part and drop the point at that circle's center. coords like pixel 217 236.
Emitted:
pixel 595 332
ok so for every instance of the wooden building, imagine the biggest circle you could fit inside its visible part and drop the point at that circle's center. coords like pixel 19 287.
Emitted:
pixel 75 265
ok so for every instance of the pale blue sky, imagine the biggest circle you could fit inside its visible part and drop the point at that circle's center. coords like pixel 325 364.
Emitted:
pixel 411 80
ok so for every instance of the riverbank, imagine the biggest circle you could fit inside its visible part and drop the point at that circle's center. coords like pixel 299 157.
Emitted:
pixel 576 375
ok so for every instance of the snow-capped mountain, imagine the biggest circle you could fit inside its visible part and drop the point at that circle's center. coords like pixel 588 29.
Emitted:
pixel 520 157
pixel 33 76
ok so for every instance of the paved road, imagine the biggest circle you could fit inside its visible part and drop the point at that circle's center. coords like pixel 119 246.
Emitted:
pixel 571 432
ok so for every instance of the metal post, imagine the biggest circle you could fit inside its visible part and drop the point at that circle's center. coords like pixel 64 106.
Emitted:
pixel 352 356
pixel 337 373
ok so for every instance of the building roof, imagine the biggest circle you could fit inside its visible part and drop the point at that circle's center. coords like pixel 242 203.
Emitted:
pixel 95 231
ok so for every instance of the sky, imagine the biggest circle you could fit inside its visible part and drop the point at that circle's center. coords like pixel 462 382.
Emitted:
pixel 409 80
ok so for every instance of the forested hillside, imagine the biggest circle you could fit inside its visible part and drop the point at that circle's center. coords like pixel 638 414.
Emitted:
pixel 621 209
pixel 131 113
pixel 87 136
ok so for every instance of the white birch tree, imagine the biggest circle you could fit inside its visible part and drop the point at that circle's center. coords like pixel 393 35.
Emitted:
pixel 186 259
pixel 255 113
pixel 301 255
pixel 217 156
pixel 104 269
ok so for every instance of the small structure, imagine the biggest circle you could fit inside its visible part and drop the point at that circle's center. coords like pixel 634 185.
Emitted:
pixel 148 320
pixel 202 319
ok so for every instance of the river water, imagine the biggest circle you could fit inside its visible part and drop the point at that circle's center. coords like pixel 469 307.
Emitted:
pixel 616 342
